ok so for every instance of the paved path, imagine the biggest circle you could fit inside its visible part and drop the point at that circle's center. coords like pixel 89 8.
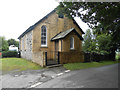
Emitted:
pixel 27 79
pixel 59 77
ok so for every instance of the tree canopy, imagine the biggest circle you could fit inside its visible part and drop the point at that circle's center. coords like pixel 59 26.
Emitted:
pixel 13 42
pixel 107 14
pixel 100 43
pixel 4 44
pixel 87 41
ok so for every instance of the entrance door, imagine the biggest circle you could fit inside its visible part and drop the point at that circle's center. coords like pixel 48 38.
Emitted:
pixel 52 56
pixel 56 45
pixel 56 49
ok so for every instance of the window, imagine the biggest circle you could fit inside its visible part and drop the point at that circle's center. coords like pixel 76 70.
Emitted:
pixel 61 15
pixel 43 36
pixel 71 43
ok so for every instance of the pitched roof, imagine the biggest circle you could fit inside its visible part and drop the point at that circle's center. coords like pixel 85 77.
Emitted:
pixel 78 26
pixel 33 26
pixel 63 34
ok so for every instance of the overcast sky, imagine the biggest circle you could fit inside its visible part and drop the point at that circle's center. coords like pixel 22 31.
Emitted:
pixel 18 15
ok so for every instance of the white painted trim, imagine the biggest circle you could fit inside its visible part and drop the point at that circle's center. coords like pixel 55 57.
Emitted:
pixel 72 43
pixel 46 36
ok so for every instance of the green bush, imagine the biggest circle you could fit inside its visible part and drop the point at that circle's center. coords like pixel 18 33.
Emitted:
pixel 9 53
pixel 118 56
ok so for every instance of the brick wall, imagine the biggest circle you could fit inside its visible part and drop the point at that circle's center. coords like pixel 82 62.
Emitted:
pixel 39 58
pixel 71 57
pixel 31 43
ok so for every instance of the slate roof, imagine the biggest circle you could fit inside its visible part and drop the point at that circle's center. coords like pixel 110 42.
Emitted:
pixel 63 34
pixel 33 26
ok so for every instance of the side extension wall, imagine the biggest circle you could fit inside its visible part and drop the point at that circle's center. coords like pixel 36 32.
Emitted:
pixel 71 57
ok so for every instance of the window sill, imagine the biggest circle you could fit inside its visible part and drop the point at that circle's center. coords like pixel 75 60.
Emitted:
pixel 44 46
pixel 72 48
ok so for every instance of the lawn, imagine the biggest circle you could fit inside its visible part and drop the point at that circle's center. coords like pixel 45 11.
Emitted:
pixel 9 64
pixel 76 66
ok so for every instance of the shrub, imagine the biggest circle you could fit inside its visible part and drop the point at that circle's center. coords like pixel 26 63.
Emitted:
pixel 9 54
pixel 93 56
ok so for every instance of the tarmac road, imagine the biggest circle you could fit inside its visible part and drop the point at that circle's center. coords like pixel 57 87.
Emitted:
pixel 59 77
pixel 101 77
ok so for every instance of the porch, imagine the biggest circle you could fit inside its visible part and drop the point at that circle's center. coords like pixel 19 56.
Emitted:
pixel 55 57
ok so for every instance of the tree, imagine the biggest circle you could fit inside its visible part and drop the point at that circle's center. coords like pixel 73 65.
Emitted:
pixel 93 13
pixel 13 42
pixel 4 44
pixel 87 41
pixel 104 43
pixel 0 44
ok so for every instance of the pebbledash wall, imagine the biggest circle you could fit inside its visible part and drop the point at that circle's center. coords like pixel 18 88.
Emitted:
pixel 26 46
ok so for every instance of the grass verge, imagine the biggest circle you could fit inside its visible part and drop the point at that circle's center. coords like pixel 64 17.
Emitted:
pixel 76 66
pixel 9 64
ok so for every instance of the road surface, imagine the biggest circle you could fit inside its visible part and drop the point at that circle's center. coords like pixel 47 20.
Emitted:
pixel 59 77
pixel 101 77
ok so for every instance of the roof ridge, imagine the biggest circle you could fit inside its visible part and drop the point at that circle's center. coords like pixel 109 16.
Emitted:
pixel 33 26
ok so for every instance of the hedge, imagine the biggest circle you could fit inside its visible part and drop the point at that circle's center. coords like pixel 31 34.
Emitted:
pixel 9 54
pixel 88 57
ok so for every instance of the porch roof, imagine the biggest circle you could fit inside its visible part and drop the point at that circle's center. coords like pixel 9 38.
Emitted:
pixel 65 33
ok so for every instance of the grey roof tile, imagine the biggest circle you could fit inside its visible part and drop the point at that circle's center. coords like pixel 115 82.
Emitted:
pixel 64 34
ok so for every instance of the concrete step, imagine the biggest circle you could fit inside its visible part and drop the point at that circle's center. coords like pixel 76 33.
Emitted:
pixel 56 65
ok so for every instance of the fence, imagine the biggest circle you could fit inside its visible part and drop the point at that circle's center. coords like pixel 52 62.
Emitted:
pixel 51 58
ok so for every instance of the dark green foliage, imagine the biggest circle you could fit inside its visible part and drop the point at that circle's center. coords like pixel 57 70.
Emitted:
pixel 99 43
pixel 9 54
pixel 3 44
pixel 88 57
pixel 104 43
pixel 13 42
pixel 89 43
pixel 92 13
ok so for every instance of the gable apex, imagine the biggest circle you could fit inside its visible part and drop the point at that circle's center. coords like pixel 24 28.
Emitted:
pixel 33 26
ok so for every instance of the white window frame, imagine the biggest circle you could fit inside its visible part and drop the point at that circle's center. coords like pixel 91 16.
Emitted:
pixel 43 45
pixel 72 40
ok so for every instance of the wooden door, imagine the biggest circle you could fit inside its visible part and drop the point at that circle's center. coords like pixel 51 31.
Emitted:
pixel 56 45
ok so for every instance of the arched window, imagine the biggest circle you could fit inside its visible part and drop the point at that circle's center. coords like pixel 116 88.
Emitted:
pixel 72 43
pixel 43 36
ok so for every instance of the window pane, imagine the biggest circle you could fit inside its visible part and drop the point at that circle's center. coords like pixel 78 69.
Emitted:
pixel 71 42
pixel 44 38
pixel 41 42
pixel 43 35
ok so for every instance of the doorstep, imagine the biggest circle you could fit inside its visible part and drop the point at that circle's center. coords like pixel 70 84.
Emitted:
pixel 57 65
